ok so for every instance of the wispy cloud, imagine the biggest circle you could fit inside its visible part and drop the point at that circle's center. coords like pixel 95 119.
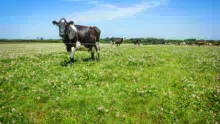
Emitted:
pixel 105 12
pixel 93 2
pixel 73 0
pixel 86 1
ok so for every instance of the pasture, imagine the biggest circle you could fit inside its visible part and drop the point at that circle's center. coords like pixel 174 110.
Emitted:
pixel 149 84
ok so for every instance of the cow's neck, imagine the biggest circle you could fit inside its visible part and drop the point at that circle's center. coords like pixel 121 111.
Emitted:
pixel 73 27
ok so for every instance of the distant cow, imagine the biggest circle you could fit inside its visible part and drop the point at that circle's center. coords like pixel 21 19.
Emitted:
pixel 199 43
pixel 136 41
pixel 190 43
pixel 73 35
pixel 116 40
pixel 183 43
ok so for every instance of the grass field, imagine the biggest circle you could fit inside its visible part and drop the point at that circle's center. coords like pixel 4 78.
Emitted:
pixel 150 84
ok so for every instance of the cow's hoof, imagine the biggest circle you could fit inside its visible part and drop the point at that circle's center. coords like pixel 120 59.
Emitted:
pixel 67 63
pixel 71 63
pixel 64 64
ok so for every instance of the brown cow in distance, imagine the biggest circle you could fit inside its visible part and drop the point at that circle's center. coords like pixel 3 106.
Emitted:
pixel 199 43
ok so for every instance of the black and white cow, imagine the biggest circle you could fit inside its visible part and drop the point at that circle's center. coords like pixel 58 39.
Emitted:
pixel 116 40
pixel 136 41
pixel 72 35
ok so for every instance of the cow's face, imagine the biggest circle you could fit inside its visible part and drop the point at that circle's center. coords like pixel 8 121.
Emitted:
pixel 63 26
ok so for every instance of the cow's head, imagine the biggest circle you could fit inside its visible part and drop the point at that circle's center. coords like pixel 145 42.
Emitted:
pixel 63 26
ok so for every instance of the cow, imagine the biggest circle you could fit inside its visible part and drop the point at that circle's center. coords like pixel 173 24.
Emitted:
pixel 107 39
pixel 189 43
pixel 199 43
pixel 183 43
pixel 116 40
pixel 74 35
pixel 136 41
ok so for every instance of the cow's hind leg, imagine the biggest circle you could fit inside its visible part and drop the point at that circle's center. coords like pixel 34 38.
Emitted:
pixel 92 53
pixel 98 51
pixel 112 43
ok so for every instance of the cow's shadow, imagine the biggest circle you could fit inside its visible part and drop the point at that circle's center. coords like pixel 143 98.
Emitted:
pixel 66 63
pixel 88 59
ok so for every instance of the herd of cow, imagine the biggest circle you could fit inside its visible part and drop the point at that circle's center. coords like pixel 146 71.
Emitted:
pixel 74 36
pixel 118 41
pixel 199 43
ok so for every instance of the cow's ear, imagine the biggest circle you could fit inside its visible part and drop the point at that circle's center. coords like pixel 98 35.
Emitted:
pixel 55 22
pixel 71 23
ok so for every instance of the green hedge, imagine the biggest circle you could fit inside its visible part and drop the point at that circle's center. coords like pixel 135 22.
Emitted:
pixel 144 41
pixel 30 41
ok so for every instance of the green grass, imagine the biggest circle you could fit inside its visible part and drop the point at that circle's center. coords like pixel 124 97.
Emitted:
pixel 150 84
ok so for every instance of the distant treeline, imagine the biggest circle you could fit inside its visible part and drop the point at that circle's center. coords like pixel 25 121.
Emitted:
pixel 144 41
pixel 155 41
pixel 30 41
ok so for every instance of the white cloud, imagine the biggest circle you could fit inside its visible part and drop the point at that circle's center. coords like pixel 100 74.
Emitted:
pixel 104 12
pixel 89 2
pixel 93 2
pixel 73 0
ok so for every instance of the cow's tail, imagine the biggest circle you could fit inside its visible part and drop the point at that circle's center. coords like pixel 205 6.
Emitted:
pixel 98 33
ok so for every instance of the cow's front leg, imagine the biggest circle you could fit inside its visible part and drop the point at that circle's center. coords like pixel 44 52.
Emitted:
pixel 72 51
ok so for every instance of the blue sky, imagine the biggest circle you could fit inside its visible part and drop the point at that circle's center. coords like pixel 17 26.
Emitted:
pixel 170 19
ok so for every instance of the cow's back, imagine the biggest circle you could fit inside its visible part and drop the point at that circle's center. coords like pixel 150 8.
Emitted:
pixel 88 35
pixel 97 32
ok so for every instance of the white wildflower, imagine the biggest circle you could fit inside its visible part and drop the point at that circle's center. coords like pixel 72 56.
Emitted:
pixel 170 92
pixel 164 93
pixel 13 109
pixel 38 98
pixel 171 112
pixel 107 85
pixel 13 121
pixel 101 108
pixel 118 114
pixel 57 98
pixel 193 95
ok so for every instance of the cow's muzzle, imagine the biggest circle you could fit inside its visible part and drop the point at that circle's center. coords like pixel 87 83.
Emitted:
pixel 62 34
